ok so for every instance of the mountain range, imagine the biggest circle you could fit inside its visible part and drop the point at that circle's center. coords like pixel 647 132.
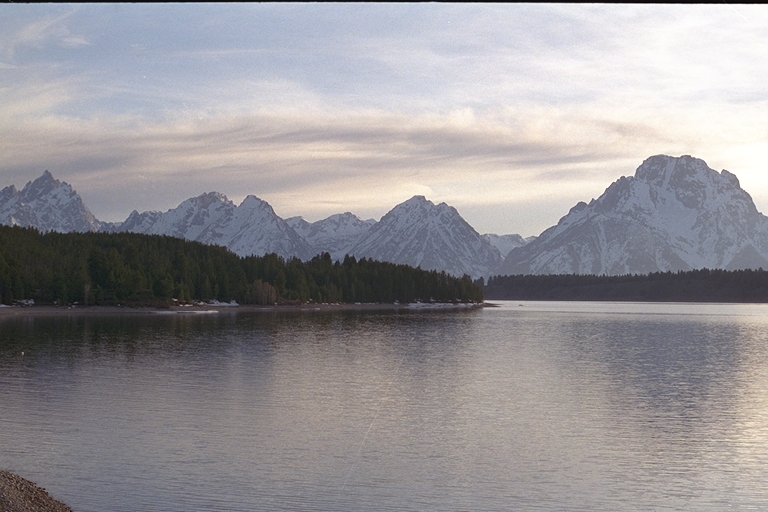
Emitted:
pixel 417 232
pixel 675 213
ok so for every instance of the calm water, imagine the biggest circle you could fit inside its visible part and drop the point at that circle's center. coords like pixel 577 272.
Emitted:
pixel 544 406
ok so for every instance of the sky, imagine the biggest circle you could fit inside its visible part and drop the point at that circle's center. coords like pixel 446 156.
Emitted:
pixel 510 113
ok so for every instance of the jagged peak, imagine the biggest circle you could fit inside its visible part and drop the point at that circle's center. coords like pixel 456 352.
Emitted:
pixel 251 200
pixel 10 191
pixel 417 201
pixel 346 216
pixel 660 169
pixel 46 179
pixel 299 224
pixel 45 183
pixel 47 204
pixel 207 199
pixel 136 213
pixel 731 178
pixel 578 207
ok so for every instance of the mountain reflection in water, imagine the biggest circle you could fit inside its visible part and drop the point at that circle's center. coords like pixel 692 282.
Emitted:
pixel 550 406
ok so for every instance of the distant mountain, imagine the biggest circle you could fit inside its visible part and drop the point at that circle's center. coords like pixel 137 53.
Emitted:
pixel 336 234
pixel 433 237
pixel 188 220
pixel 46 204
pixel 251 228
pixel 416 232
pixel 505 243
pixel 674 214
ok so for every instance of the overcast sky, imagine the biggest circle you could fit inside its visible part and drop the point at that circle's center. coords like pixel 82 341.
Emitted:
pixel 510 113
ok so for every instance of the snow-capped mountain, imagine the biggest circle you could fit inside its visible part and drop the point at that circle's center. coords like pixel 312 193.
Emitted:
pixel 505 243
pixel 434 237
pixel 256 229
pixel 46 204
pixel 674 214
pixel 336 235
pixel 250 228
pixel 188 220
pixel 416 232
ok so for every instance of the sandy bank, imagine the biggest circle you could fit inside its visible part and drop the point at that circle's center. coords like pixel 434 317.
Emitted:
pixel 20 495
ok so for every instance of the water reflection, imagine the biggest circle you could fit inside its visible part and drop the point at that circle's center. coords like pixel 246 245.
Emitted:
pixel 549 407
pixel 669 391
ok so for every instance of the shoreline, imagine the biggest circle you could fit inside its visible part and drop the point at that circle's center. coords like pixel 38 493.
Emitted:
pixel 11 311
pixel 18 494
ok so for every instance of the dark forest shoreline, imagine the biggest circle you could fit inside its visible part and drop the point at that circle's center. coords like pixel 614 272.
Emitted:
pixel 46 310
pixel 704 285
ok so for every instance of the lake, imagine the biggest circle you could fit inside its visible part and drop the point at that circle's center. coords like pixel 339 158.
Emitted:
pixel 528 406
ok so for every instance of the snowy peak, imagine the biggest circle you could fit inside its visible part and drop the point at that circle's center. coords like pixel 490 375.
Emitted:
pixel 673 214
pixel 46 204
pixel 687 180
pixel 417 205
pixel 207 201
pixel 345 224
pixel 42 186
pixel 255 229
pixel 505 243
pixel 252 202
pixel 299 225
pixel 335 235
pixel 435 237
pixel 188 220
pixel 211 218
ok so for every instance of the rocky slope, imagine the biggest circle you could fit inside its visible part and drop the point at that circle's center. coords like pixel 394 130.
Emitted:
pixel 673 214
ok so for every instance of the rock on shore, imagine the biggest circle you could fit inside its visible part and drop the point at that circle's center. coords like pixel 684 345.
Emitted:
pixel 20 495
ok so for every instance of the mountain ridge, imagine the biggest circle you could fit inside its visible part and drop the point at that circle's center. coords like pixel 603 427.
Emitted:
pixel 211 218
pixel 674 213
pixel 252 227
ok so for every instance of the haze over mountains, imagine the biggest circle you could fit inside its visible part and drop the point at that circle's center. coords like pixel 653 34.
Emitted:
pixel 673 214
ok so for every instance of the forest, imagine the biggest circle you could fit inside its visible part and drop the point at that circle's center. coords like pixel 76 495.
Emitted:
pixel 703 285
pixel 129 268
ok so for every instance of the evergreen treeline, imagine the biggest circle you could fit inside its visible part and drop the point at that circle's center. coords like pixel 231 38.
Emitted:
pixel 111 268
pixel 703 285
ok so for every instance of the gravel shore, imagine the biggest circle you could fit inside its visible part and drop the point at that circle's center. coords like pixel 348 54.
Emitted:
pixel 20 495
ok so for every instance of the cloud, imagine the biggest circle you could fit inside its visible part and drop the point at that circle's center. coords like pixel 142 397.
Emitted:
pixel 323 108
pixel 312 163
pixel 49 28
